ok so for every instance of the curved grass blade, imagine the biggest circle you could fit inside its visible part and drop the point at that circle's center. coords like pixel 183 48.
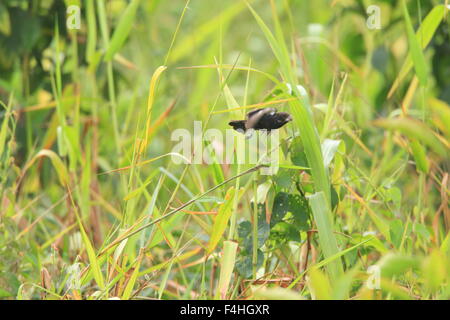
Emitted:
pixel 122 31
pixel 414 48
pixel 424 35
pixel 221 222
pixel 415 129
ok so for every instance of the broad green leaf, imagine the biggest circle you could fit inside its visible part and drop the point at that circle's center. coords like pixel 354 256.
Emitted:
pixel 297 153
pixel 245 232
pixel 245 264
pixel 280 207
pixel 283 178
pixel 296 204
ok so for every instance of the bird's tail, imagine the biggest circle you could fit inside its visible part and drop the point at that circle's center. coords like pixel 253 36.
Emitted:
pixel 238 125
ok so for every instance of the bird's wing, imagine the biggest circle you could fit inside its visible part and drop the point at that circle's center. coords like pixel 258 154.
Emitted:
pixel 254 116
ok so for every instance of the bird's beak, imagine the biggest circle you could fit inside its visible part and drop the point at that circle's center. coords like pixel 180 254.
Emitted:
pixel 289 118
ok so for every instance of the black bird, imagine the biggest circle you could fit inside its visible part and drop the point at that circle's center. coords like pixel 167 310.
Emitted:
pixel 262 119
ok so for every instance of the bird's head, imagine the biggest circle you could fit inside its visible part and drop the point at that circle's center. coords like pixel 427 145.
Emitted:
pixel 281 118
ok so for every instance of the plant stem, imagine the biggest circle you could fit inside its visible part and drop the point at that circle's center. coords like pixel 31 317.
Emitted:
pixel 255 226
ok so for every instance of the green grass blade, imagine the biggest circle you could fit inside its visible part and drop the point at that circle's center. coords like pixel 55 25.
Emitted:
pixel 221 222
pixel 226 267
pixel 95 266
pixel 327 240
pixel 203 32
pixel 420 156
pixel 91 32
pixel 414 48
pixel 122 30
pixel 414 129
pixel 301 111
pixel 303 119
pixel 424 35
pixel 4 128
pixel 130 285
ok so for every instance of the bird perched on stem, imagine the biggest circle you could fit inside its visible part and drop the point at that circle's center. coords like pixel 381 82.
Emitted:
pixel 261 119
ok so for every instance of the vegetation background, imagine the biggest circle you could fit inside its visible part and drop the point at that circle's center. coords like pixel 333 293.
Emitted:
pixel 93 207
